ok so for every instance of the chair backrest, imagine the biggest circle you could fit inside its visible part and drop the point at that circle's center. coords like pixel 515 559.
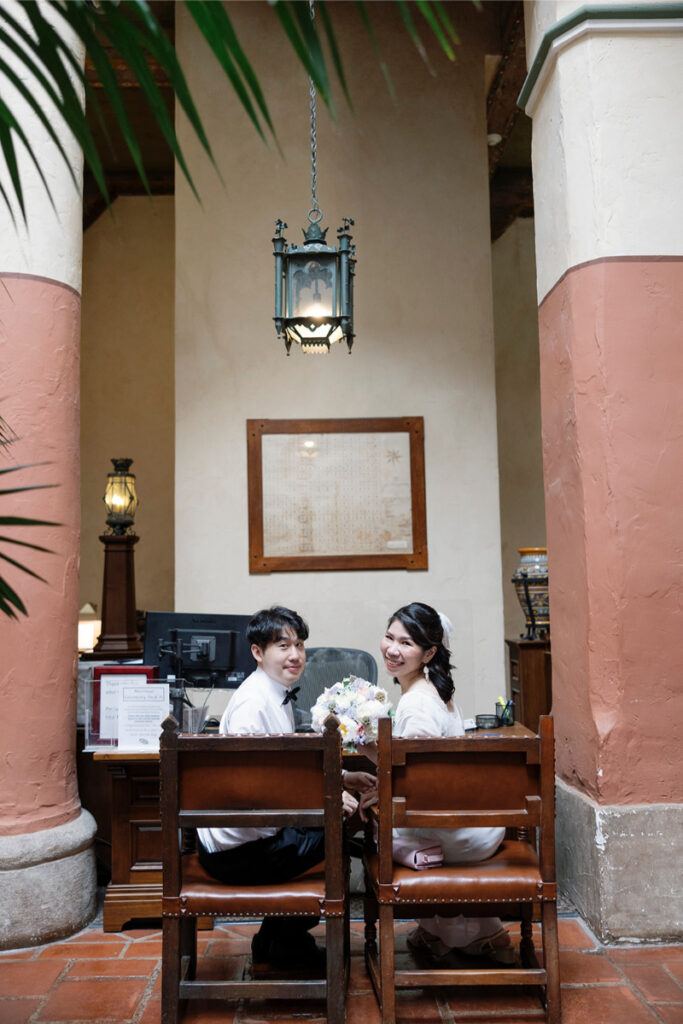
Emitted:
pixel 251 781
pixel 467 782
pixel 328 665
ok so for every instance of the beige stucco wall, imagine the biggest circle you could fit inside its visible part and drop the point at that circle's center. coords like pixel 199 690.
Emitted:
pixel 414 177
pixel 127 389
pixel 520 456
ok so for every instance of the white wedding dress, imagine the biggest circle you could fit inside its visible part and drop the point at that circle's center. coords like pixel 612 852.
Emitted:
pixel 421 712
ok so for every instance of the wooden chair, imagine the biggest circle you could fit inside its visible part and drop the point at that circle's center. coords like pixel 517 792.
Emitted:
pixel 457 783
pixel 242 781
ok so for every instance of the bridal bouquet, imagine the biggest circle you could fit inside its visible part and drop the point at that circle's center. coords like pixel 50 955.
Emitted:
pixel 357 705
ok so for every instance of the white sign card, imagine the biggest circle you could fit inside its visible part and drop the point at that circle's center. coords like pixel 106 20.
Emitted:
pixel 141 710
pixel 110 687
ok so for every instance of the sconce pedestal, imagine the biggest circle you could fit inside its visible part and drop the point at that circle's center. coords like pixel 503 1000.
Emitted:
pixel 119 637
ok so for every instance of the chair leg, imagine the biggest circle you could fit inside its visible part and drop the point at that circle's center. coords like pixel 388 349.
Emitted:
pixel 526 946
pixel 170 971
pixel 551 961
pixel 188 944
pixel 386 964
pixel 369 913
pixel 335 928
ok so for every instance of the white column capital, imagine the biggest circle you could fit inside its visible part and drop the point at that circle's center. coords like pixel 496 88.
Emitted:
pixel 604 92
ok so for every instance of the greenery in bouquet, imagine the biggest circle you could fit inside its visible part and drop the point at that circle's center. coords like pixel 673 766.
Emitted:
pixel 357 705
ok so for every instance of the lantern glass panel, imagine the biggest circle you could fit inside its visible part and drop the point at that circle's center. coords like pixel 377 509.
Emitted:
pixel 313 285
pixel 120 497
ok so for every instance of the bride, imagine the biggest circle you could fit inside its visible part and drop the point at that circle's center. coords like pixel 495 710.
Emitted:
pixel 416 652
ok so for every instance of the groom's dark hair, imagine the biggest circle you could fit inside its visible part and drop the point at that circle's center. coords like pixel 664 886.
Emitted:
pixel 268 625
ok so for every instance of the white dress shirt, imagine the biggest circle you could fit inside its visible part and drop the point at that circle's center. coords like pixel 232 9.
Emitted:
pixel 256 708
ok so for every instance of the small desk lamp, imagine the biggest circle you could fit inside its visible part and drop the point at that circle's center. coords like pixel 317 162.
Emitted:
pixel 119 637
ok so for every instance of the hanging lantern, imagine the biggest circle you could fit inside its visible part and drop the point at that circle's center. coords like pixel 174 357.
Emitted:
pixel 120 497
pixel 314 289
pixel 314 281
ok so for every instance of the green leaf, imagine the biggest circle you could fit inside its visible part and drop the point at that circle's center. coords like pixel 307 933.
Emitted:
pixel 7 435
pixel 215 25
pixel 56 55
pixel 334 49
pixel 433 22
pixel 311 66
pixel 309 34
pixel 18 565
pixel 26 465
pixel 9 600
pixel 19 490
pixel 413 33
pixel 362 9
pixel 446 21
pixel 20 86
pixel 127 38
pixel 25 543
pixel 81 24
pixel 21 521
pixel 8 123
pixel 160 48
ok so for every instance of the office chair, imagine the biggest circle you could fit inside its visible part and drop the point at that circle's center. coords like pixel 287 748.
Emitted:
pixel 328 665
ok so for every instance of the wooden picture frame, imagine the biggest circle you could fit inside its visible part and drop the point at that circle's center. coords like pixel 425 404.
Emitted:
pixel 336 494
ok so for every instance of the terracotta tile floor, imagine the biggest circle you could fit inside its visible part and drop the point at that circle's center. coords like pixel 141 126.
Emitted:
pixel 116 977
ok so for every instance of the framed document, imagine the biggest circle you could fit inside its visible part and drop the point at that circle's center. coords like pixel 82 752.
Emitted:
pixel 102 711
pixel 336 494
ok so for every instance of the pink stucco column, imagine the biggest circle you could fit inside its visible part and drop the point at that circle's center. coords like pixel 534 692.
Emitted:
pixel 608 195
pixel 47 876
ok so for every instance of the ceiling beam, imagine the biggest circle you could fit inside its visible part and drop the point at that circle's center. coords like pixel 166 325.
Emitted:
pixel 501 103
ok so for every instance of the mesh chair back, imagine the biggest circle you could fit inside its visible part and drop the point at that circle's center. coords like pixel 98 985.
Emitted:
pixel 328 665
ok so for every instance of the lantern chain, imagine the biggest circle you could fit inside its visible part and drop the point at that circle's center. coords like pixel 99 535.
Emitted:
pixel 315 213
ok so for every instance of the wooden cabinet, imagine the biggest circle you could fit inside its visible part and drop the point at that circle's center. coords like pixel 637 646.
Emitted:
pixel 530 680
pixel 135 887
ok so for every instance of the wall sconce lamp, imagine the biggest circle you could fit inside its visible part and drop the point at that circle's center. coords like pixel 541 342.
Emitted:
pixel 314 281
pixel 119 637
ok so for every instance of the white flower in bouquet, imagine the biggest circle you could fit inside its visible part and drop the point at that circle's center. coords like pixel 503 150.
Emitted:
pixel 357 704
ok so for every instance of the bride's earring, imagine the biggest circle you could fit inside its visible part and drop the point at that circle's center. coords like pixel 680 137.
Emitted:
pixel 425 669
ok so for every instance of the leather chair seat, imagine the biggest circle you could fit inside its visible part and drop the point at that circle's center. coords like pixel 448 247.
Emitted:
pixel 511 874
pixel 202 895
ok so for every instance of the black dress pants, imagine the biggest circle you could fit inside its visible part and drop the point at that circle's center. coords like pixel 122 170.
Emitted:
pixel 278 858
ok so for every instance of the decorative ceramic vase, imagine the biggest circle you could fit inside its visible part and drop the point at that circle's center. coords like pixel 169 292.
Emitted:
pixel 531 584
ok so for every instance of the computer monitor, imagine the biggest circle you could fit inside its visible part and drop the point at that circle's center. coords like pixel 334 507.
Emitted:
pixel 204 650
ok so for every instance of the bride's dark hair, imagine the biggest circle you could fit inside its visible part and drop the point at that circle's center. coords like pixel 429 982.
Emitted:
pixel 424 626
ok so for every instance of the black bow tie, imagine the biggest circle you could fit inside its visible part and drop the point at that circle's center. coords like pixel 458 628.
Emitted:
pixel 291 694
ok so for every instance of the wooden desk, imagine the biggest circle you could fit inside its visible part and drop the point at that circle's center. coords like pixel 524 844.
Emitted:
pixel 517 729
pixel 135 887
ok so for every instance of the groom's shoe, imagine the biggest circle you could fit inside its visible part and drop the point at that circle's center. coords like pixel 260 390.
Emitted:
pixel 278 954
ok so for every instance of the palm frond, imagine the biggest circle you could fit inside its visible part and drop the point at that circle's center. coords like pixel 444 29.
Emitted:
pixel 434 23
pixel 11 604
pixel 362 8
pixel 128 30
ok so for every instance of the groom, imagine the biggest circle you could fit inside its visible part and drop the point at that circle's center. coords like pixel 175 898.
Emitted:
pixel 262 704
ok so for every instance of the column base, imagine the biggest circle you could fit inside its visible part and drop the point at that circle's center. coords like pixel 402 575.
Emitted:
pixel 47 883
pixel 618 865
